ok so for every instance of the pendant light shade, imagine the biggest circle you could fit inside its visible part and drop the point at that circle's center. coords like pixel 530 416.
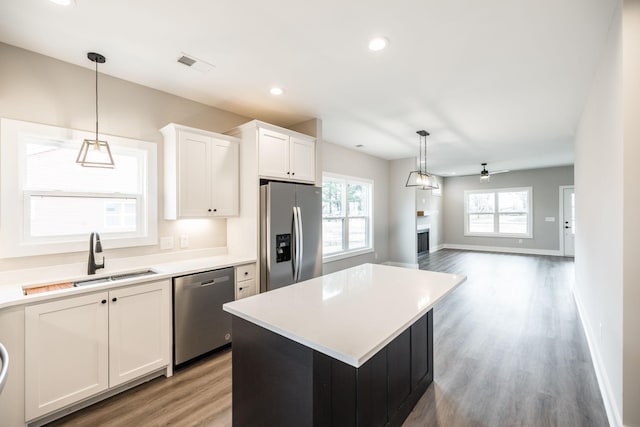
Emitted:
pixel 93 152
pixel 421 178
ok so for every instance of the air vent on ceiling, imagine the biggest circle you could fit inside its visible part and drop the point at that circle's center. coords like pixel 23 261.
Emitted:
pixel 195 63
pixel 186 61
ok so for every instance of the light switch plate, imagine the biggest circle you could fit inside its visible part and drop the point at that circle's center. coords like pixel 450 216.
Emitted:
pixel 184 241
pixel 166 242
pixel 550 219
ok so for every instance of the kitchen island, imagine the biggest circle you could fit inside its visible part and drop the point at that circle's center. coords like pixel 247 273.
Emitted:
pixel 353 347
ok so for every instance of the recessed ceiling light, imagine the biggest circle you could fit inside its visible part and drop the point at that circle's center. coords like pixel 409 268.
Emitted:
pixel 62 2
pixel 378 43
pixel 276 91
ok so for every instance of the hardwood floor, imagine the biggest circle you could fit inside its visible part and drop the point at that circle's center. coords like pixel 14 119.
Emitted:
pixel 509 346
pixel 509 351
pixel 199 395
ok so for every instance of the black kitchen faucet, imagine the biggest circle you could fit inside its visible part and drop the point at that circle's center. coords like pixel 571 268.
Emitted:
pixel 92 266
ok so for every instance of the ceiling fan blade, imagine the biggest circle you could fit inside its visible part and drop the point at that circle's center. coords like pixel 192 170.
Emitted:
pixel 501 171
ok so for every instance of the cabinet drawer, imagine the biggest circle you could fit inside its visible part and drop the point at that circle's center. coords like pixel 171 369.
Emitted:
pixel 246 288
pixel 245 272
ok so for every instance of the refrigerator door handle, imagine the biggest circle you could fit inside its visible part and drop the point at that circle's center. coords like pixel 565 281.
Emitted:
pixel 299 250
pixel 294 258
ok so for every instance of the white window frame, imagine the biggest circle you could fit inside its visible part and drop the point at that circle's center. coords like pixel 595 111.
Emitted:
pixel 496 214
pixel 335 256
pixel 15 236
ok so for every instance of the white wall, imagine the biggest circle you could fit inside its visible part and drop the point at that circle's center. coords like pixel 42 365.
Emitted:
pixel 631 213
pixel 600 184
pixel 41 89
pixel 432 205
pixel 343 161
pixel 402 213
pixel 546 203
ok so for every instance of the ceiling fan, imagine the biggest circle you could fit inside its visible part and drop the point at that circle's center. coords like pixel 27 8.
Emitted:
pixel 485 175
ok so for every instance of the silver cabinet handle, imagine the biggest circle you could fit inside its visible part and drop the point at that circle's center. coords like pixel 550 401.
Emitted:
pixel 4 357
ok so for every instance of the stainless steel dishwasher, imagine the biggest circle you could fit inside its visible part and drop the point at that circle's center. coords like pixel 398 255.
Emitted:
pixel 199 324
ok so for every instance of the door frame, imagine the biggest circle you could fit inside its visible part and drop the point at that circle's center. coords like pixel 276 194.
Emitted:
pixel 561 215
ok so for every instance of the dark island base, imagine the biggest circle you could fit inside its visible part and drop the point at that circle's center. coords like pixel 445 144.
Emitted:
pixel 279 382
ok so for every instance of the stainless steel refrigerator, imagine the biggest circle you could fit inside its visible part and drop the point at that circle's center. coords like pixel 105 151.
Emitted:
pixel 290 234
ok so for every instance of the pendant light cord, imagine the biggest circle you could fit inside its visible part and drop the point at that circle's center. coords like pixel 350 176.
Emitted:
pixel 423 165
pixel 96 102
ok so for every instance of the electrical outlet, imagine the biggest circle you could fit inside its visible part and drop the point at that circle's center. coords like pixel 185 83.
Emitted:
pixel 375 255
pixel 550 218
pixel 166 242
pixel 184 241
pixel 520 241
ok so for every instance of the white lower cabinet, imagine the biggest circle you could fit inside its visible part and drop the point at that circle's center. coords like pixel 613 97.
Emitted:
pixel 246 281
pixel 80 346
pixel 139 331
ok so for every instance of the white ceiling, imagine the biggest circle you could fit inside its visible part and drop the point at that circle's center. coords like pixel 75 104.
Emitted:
pixel 497 81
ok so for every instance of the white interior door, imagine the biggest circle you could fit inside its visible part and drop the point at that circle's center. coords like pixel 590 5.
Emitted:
pixel 569 220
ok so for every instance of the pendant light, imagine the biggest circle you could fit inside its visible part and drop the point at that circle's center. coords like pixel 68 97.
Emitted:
pixel 93 152
pixel 421 178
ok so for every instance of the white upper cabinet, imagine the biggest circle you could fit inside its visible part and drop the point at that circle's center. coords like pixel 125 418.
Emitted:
pixel 302 155
pixel 273 154
pixel 202 173
pixel 285 157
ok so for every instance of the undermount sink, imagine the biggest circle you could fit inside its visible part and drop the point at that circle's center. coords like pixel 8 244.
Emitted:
pixel 114 278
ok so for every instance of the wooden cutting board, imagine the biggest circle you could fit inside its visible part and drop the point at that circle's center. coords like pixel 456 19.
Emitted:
pixel 48 288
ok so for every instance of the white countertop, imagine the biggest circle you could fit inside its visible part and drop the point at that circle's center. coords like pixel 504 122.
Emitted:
pixel 349 315
pixel 12 283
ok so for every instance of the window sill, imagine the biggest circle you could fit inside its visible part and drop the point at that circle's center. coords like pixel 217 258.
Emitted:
pixel 344 255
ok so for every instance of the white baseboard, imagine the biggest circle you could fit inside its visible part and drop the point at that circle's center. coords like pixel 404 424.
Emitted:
pixel 615 420
pixel 436 248
pixel 401 264
pixel 502 249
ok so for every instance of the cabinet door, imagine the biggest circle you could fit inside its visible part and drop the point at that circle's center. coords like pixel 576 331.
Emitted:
pixel 225 178
pixel 303 160
pixel 398 371
pixel 273 154
pixel 194 180
pixel 66 356
pixel 139 331
pixel 246 288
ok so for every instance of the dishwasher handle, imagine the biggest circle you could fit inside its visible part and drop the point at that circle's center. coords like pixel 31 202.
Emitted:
pixel 207 282
pixel 4 358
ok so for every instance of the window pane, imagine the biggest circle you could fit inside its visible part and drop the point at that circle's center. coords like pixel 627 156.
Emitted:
pixel 481 223
pixel 516 201
pixel 481 203
pixel 332 192
pixel 513 223
pixel 43 171
pixel 332 231
pixel 357 233
pixel 358 199
pixel 66 216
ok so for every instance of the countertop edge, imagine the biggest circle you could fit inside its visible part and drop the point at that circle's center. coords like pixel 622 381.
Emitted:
pixel 350 360
pixel 165 271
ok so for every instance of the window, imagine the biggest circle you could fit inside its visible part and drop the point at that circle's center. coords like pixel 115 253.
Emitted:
pixel 504 213
pixel 346 215
pixel 50 204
